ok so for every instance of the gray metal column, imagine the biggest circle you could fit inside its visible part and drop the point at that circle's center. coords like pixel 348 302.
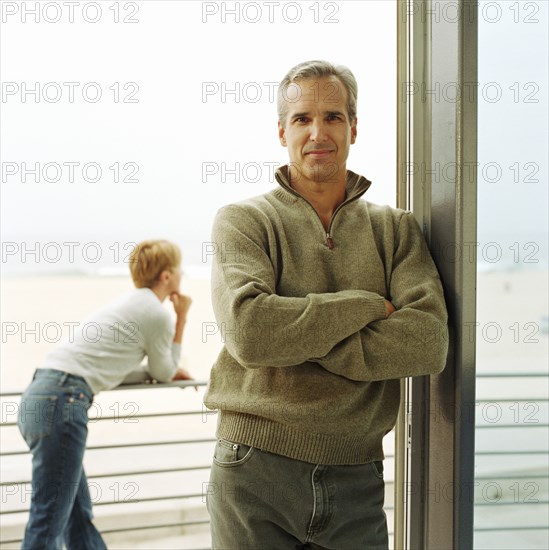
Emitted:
pixel 441 181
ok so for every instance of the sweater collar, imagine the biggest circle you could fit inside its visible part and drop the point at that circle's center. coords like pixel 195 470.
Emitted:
pixel 355 184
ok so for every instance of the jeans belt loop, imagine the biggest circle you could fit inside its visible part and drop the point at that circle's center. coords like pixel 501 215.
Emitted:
pixel 63 378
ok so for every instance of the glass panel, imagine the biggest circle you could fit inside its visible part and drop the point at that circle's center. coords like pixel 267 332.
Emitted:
pixel 511 484
pixel 173 137
pixel 123 121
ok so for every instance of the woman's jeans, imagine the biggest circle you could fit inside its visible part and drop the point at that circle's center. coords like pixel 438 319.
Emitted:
pixel 53 419
pixel 263 501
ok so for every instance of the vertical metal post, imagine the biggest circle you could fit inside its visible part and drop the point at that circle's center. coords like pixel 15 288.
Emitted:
pixel 403 140
pixel 463 305
pixel 443 137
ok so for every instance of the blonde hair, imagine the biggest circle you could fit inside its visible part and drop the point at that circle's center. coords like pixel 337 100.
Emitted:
pixel 150 258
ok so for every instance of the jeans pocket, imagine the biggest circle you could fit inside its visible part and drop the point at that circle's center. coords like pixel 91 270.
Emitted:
pixel 76 405
pixel 228 453
pixel 377 468
pixel 37 415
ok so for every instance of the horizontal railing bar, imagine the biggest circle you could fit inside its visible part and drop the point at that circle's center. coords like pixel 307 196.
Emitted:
pixel 135 528
pixel 518 528
pixel 520 476
pixel 128 445
pixel 151 444
pixel 510 453
pixel 174 384
pixel 17 541
pixel 140 386
pixel 112 502
pixel 532 425
pixel 505 503
pixel 162 526
pixel 514 400
pixel 513 375
pixel 121 418
pixel 121 474
pixel 148 499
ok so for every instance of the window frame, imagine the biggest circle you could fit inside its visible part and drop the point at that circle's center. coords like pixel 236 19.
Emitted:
pixel 435 445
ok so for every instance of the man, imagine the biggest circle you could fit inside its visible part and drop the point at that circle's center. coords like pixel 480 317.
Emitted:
pixel 53 413
pixel 325 301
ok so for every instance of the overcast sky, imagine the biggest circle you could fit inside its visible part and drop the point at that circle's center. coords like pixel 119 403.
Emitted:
pixel 167 122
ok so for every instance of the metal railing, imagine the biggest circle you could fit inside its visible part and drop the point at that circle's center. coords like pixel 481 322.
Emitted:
pixel 17 482
pixel 515 483
pixel 14 485
pixel 21 481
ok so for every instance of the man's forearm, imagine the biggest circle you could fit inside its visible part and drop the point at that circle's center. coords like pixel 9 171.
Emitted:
pixel 267 330
pixel 412 341
pixel 408 343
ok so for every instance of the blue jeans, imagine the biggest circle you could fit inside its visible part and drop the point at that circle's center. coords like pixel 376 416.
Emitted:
pixel 53 419
pixel 263 501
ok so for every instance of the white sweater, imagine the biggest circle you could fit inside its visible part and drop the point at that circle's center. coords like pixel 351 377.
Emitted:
pixel 109 345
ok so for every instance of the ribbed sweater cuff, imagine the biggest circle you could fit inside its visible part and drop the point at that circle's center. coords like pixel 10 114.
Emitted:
pixel 375 308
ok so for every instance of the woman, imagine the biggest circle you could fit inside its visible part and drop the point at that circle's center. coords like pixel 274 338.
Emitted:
pixel 105 353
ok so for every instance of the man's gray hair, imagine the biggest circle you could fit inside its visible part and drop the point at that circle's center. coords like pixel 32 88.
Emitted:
pixel 318 69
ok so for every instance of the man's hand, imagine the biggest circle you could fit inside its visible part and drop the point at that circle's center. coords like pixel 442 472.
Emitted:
pixel 181 304
pixel 389 307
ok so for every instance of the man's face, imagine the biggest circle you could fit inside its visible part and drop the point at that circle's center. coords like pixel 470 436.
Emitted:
pixel 317 131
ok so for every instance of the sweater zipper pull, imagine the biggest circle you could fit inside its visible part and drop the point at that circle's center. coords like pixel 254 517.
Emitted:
pixel 329 241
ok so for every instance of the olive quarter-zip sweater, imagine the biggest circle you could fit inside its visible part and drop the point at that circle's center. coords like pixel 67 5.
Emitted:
pixel 310 363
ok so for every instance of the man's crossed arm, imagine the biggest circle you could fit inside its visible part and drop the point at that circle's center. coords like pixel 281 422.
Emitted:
pixel 351 333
